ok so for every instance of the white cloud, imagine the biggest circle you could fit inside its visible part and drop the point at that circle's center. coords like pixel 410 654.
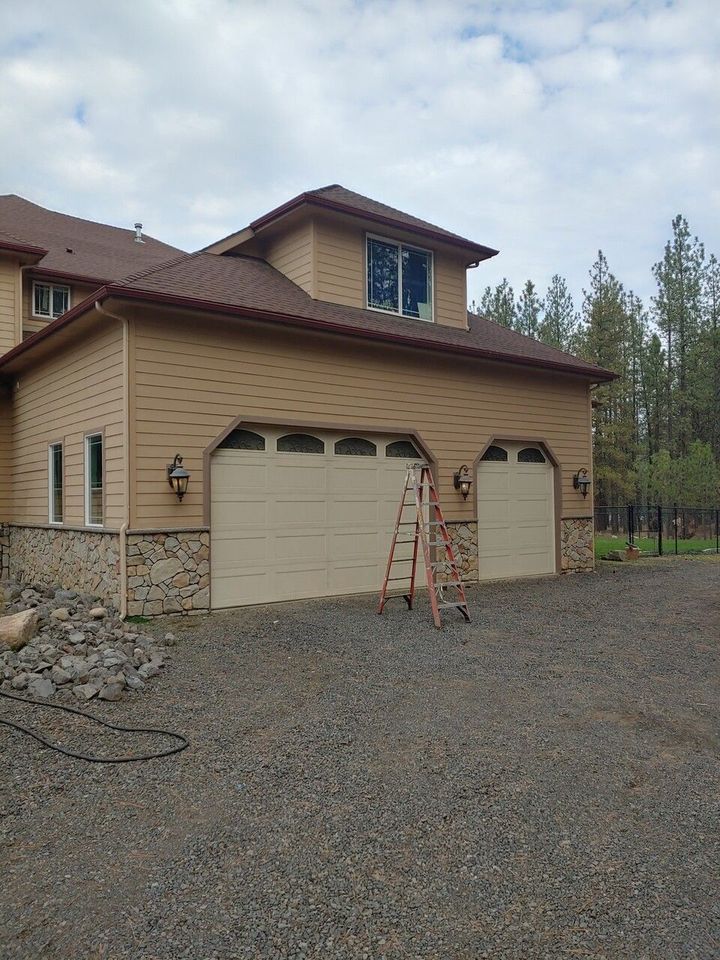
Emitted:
pixel 545 129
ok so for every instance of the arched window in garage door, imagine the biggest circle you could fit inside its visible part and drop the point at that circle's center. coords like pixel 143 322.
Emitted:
pixel 531 455
pixel 242 440
pixel 495 454
pixel 300 443
pixel 403 450
pixel 355 447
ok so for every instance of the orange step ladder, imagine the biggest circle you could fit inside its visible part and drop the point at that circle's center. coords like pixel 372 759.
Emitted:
pixel 430 530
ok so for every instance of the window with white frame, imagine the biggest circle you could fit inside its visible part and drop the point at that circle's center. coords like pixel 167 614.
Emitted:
pixel 55 483
pixel 50 300
pixel 94 480
pixel 399 278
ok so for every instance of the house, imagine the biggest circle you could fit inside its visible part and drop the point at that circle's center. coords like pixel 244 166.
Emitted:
pixel 295 367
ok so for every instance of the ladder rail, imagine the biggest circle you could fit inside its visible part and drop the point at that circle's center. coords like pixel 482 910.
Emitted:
pixel 428 517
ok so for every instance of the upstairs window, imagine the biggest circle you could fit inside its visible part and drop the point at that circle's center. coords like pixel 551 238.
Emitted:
pixel 399 278
pixel 50 300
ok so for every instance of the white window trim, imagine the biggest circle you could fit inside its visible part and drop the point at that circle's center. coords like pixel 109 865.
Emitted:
pixel 88 438
pixel 408 246
pixel 51 287
pixel 51 482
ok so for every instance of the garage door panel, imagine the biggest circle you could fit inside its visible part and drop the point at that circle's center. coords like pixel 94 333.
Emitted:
pixel 516 517
pixel 295 525
pixel 493 511
pixel 298 477
pixel 299 545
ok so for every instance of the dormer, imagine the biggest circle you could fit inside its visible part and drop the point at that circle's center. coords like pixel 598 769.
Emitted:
pixel 341 247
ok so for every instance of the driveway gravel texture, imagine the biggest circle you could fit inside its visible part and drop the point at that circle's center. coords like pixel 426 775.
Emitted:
pixel 543 782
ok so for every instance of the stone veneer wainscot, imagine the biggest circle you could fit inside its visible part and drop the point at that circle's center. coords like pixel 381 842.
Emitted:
pixel 168 572
pixel 75 559
pixel 577 548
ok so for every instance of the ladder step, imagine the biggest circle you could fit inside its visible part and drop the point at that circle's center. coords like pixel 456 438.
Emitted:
pixel 458 604
pixel 448 583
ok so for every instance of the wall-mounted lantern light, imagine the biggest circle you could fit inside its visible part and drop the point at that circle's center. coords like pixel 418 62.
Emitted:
pixel 178 477
pixel 581 481
pixel 463 480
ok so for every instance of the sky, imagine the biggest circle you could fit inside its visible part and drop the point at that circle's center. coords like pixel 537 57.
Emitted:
pixel 547 130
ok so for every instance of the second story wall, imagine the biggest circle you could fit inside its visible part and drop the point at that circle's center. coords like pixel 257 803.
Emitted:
pixel 31 324
pixel 326 256
pixel 10 328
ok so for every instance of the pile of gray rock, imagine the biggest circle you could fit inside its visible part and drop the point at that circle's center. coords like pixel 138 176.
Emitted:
pixel 64 644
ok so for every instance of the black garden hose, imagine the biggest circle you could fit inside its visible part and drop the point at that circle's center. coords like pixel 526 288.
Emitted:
pixel 183 741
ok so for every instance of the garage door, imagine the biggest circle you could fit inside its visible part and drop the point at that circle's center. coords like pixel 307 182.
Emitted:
pixel 516 512
pixel 298 514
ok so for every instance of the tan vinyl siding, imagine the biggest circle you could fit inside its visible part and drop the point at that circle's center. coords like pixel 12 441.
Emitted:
pixel 31 324
pixel 340 263
pixel 340 270
pixel 9 306
pixel 450 290
pixel 6 483
pixel 292 254
pixel 76 392
pixel 230 370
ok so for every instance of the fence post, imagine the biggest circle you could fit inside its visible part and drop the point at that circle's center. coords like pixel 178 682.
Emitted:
pixel 717 531
pixel 675 525
pixel 660 529
pixel 630 523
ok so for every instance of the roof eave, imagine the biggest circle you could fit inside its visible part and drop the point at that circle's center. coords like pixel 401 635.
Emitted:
pixel 480 251
pixel 594 375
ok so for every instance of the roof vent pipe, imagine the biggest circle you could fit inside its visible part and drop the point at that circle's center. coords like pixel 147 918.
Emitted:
pixel 138 233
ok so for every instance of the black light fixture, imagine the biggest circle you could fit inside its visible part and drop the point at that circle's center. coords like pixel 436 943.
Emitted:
pixel 178 477
pixel 463 480
pixel 581 481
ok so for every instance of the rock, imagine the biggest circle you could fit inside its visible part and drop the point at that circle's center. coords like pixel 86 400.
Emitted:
pixel 147 670
pixel 76 637
pixel 41 687
pixel 133 683
pixel 85 691
pixel 615 555
pixel 17 629
pixel 61 613
pixel 20 681
pixel 111 691
pixel 60 676
pixel 65 596
pixel 98 613
pixel 165 570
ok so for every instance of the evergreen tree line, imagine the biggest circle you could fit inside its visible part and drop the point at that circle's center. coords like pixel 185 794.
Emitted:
pixel 656 428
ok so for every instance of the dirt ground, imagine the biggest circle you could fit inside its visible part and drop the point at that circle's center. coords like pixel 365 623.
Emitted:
pixel 541 783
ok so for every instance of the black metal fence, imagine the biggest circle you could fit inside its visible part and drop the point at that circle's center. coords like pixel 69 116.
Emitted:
pixel 657 530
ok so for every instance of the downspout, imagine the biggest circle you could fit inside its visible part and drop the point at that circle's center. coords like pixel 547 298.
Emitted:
pixel 126 459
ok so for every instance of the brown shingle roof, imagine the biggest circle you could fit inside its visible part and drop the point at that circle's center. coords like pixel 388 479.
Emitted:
pixel 342 200
pixel 98 252
pixel 249 286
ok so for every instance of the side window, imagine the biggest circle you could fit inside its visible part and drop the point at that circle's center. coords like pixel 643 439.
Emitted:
pixel 403 450
pixel 531 455
pixel 243 440
pixel 355 447
pixel 94 480
pixel 495 454
pixel 300 443
pixel 50 300
pixel 55 483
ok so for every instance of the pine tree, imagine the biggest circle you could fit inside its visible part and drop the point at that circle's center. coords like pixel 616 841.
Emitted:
pixel 559 325
pixel 498 304
pixel 527 313
pixel 678 303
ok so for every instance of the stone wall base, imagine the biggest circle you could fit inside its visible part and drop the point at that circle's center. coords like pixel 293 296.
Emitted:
pixel 577 548
pixel 463 534
pixel 84 560
pixel 168 573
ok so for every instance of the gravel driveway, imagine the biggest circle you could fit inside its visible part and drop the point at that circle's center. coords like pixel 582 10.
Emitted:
pixel 543 782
